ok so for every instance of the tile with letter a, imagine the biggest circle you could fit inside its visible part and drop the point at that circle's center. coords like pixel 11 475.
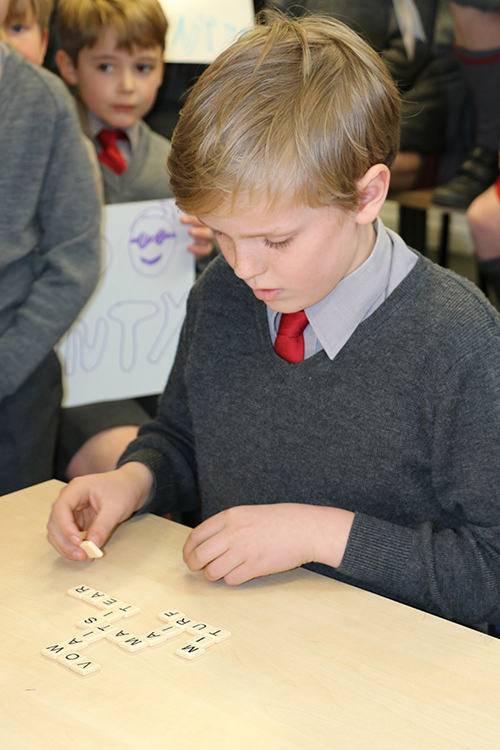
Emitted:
pixel 94 596
pixel 78 592
pixel 190 651
pixel 153 637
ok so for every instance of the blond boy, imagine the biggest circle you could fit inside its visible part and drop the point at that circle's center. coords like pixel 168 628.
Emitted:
pixel 365 446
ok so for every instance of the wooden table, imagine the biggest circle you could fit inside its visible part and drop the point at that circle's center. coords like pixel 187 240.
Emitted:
pixel 311 663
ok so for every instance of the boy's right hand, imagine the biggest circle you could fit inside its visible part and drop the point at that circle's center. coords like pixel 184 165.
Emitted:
pixel 96 503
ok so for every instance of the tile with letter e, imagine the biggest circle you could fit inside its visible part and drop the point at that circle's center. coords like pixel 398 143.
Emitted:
pixel 108 603
pixel 190 651
pixel 78 592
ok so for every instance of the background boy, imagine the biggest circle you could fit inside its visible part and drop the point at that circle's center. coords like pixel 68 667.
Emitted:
pixel 49 239
pixel 112 52
pixel 371 453
pixel 27 28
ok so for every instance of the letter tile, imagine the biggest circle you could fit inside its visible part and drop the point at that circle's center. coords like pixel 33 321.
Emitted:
pixel 95 596
pixel 78 643
pixel 68 657
pixel 189 651
pixel 219 634
pixel 108 603
pixel 84 667
pixel 92 636
pixel 106 628
pixel 153 637
pixel 91 549
pixel 55 651
pixel 169 614
pixel 90 622
pixel 129 610
pixel 133 644
pixel 204 641
pixel 79 591
pixel 198 627
pixel 115 635
pixel 169 631
pixel 111 615
pixel 181 622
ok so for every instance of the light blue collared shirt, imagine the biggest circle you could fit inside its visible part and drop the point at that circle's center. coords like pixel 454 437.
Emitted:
pixel 333 320
pixel 126 147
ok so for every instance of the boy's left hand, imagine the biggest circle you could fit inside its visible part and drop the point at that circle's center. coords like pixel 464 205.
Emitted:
pixel 249 541
pixel 203 237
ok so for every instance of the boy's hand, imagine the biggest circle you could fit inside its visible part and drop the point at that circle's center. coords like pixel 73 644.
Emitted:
pixel 203 237
pixel 256 540
pixel 96 503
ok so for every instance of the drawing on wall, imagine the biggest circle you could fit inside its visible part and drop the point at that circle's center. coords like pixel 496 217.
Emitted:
pixel 199 32
pixel 123 343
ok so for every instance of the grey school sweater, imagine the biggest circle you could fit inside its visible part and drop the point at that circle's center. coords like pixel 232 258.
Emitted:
pixel 49 219
pixel 402 427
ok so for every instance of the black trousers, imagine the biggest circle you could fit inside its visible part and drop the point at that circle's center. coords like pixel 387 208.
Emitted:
pixel 29 421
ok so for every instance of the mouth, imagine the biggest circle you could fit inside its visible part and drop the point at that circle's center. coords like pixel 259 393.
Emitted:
pixel 150 261
pixel 124 107
pixel 267 295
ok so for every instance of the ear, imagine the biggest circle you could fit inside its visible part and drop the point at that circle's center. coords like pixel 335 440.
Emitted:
pixel 66 68
pixel 372 191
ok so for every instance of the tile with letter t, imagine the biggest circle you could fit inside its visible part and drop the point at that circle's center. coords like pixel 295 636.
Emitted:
pixel 128 610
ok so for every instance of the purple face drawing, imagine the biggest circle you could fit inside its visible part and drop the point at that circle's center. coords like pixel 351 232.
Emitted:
pixel 152 242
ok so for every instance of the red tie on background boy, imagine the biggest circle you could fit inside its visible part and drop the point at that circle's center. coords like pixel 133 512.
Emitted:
pixel 110 155
pixel 289 342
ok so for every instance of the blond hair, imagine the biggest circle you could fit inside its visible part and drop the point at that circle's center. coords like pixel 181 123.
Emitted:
pixel 296 109
pixel 137 23
pixel 41 10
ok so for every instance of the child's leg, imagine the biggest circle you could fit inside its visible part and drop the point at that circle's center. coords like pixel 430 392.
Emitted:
pixel 483 217
pixel 29 420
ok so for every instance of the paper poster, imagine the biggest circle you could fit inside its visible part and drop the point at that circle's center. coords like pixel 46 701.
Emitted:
pixel 123 343
pixel 199 31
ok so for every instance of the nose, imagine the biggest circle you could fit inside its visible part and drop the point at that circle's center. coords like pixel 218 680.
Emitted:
pixel 126 80
pixel 247 262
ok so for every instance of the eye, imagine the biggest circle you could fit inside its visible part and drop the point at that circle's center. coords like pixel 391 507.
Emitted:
pixel 105 67
pixel 144 67
pixel 278 245
pixel 17 28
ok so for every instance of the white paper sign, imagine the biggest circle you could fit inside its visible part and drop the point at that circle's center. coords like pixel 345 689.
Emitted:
pixel 200 30
pixel 123 343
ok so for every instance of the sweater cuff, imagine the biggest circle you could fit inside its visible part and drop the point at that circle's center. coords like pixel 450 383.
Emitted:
pixel 376 552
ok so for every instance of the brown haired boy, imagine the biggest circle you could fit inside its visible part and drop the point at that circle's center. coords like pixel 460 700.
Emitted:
pixel 335 399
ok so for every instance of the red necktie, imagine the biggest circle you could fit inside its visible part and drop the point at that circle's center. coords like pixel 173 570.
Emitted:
pixel 110 155
pixel 289 342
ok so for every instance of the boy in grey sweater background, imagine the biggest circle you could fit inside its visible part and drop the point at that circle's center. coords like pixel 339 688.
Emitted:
pixel 335 398
pixel 49 242
pixel 112 54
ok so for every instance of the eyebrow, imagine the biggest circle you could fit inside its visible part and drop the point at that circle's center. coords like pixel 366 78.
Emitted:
pixel 270 233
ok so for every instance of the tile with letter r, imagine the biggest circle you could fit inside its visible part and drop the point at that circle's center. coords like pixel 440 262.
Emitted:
pixel 78 592
pixel 190 651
